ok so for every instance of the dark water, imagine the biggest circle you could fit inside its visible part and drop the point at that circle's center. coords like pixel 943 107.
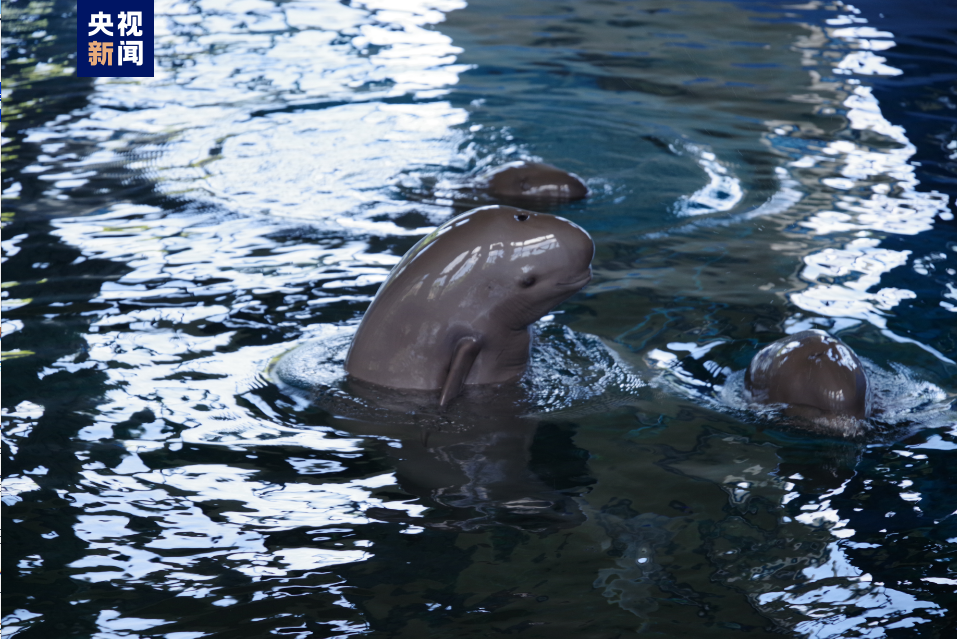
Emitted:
pixel 757 168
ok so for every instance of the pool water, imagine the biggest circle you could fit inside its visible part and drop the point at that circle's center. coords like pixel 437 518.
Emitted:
pixel 186 258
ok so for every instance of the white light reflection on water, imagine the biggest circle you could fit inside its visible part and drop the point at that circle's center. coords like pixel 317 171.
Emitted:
pixel 381 65
pixel 233 537
pixel 798 573
pixel 875 193
pixel 319 164
pixel 192 381
pixel 207 267
pixel 193 129
pixel 840 599
pixel 18 423
pixel 722 193
pixel 155 350
pixel 351 98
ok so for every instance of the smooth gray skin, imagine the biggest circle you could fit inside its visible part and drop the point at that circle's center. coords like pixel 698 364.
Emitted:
pixel 457 307
pixel 532 182
pixel 811 372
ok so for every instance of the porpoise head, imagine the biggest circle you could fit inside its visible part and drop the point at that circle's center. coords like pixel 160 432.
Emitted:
pixel 522 264
pixel 551 261
pixel 810 371
pixel 462 298
pixel 533 182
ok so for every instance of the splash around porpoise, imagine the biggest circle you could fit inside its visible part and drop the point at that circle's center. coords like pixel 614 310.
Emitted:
pixel 892 403
pixel 568 374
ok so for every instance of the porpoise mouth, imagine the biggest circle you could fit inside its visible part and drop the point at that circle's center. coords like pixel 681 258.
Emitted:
pixel 576 283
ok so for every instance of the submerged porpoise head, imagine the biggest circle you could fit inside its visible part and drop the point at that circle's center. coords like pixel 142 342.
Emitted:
pixel 456 309
pixel 533 182
pixel 812 370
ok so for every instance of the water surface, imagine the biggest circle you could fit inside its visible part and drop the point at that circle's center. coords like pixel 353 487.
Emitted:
pixel 756 168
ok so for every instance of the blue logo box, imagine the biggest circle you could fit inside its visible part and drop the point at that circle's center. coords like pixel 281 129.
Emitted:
pixel 114 38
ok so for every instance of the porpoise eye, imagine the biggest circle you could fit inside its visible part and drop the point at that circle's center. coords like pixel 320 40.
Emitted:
pixel 527 281
pixel 521 217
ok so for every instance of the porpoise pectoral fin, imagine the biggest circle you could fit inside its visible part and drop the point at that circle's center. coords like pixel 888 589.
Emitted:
pixel 466 350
